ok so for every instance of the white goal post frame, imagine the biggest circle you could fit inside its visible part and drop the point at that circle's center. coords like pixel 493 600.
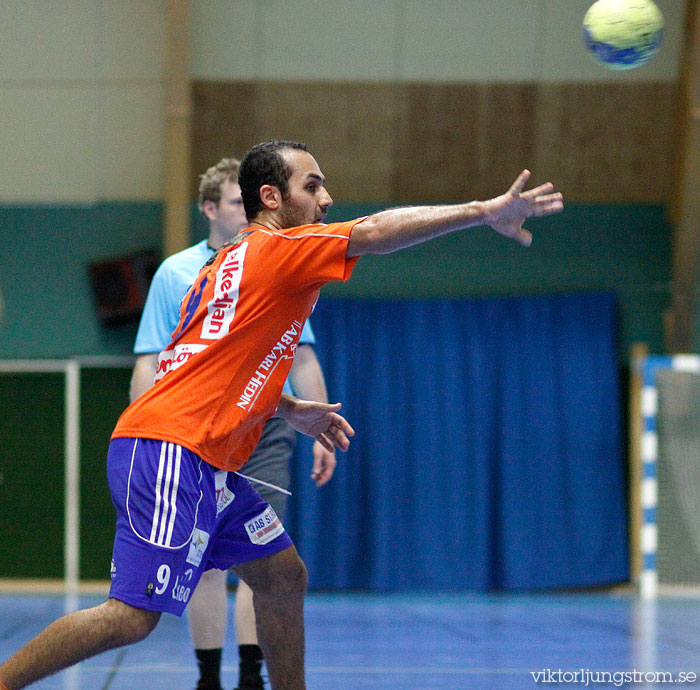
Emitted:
pixel 644 455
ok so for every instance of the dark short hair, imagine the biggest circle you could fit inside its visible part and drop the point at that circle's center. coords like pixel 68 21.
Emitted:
pixel 262 165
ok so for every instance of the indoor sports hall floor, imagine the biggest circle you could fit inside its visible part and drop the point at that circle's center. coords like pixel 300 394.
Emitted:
pixel 415 642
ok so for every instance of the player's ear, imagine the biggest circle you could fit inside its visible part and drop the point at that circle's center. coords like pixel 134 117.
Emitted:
pixel 270 196
pixel 209 209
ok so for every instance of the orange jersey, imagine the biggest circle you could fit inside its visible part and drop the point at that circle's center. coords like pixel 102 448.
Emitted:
pixel 221 376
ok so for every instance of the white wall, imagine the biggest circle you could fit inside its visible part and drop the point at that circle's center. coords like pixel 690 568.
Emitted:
pixel 409 40
pixel 81 81
pixel 81 100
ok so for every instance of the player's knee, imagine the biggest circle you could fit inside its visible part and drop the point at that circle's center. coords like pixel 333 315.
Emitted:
pixel 293 576
pixel 282 574
pixel 130 624
pixel 140 627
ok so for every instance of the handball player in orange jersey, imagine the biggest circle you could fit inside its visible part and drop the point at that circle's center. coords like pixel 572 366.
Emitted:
pixel 219 379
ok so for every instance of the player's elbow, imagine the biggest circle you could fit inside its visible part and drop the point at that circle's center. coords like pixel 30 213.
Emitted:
pixel 368 237
pixel 143 375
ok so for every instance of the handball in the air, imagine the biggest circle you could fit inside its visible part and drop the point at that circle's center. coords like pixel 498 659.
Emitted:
pixel 622 34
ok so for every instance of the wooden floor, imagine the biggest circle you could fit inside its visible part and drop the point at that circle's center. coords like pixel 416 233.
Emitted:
pixel 416 642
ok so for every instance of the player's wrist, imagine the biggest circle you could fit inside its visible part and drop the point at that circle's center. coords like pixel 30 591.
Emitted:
pixel 286 405
pixel 485 211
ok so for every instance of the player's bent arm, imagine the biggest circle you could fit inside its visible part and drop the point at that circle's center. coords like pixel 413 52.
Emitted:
pixel 308 382
pixel 143 374
pixel 318 420
pixel 394 229
pixel 306 375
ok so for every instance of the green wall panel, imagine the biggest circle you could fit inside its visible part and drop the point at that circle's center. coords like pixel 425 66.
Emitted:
pixel 31 475
pixel 32 471
pixel 105 395
pixel 50 313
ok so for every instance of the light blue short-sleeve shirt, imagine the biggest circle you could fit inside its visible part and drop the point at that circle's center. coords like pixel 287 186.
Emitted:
pixel 170 283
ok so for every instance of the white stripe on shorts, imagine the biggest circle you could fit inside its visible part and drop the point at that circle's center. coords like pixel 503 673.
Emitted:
pixel 167 483
pixel 173 496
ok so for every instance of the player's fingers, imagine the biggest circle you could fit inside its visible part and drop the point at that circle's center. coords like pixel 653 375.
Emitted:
pixel 325 442
pixel 339 438
pixel 319 478
pixel 523 237
pixel 331 407
pixel 547 203
pixel 533 193
pixel 519 184
pixel 324 463
pixel 317 466
pixel 324 477
pixel 341 423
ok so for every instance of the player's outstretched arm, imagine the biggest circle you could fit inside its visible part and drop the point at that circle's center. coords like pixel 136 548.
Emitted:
pixel 389 231
pixel 318 420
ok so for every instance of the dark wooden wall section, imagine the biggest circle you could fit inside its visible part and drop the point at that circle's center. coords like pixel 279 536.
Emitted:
pixel 446 142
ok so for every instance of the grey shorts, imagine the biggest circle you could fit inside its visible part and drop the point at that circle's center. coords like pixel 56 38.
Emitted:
pixel 270 462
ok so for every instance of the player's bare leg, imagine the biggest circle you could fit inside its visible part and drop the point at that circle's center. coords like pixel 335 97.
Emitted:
pixel 245 615
pixel 75 637
pixel 207 611
pixel 279 585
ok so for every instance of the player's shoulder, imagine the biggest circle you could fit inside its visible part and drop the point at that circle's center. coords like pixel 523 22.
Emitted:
pixel 196 255
pixel 312 230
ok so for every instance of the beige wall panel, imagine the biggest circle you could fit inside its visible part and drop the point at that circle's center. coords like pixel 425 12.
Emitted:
pixel 410 40
pixel 564 56
pixel 316 39
pixel 82 99
pixel 472 40
pixel 226 39
pixel 132 39
pixel 295 40
pixel 45 40
pixel 130 143
pixel 48 144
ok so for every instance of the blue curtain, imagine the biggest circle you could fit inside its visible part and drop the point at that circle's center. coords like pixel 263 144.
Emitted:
pixel 488 447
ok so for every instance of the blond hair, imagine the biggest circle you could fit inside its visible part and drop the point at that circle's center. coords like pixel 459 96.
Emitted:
pixel 210 182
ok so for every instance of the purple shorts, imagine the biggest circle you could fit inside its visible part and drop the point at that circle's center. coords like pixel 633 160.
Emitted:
pixel 178 516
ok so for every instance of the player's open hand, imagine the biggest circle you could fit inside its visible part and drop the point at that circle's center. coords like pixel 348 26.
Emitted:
pixel 507 213
pixel 322 422
pixel 324 464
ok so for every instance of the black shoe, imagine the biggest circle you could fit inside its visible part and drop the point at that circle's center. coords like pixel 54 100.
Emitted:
pixel 207 686
pixel 251 683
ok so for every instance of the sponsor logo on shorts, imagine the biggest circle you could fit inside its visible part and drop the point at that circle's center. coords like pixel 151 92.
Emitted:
pixel 112 570
pixel 198 546
pixel 180 591
pixel 224 495
pixel 264 528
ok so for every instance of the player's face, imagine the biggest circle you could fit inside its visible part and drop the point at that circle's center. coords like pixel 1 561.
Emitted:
pixel 307 200
pixel 229 216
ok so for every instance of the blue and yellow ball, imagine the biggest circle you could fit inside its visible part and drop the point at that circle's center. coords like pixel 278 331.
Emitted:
pixel 623 34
